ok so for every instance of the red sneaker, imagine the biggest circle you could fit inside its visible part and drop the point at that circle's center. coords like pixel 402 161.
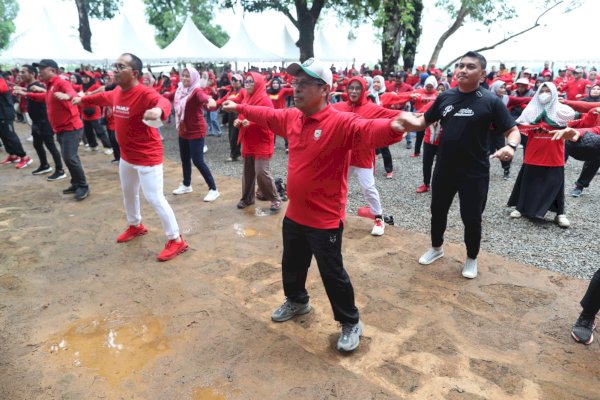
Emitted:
pixel 389 175
pixel 25 161
pixel 11 159
pixel 413 155
pixel 172 249
pixel 423 189
pixel 131 233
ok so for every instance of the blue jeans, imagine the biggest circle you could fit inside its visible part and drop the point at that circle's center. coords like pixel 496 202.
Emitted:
pixel 212 117
pixel 192 150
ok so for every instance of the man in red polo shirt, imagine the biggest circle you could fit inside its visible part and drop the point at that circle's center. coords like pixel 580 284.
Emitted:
pixel 65 121
pixel 135 107
pixel 320 139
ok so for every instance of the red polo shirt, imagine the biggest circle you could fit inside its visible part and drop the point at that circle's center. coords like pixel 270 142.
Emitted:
pixel 319 156
pixel 63 115
pixel 139 143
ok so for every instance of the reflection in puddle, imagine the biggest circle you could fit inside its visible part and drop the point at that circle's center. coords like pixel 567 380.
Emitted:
pixel 262 212
pixel 244 232
pixel 114 347
pixel 207 393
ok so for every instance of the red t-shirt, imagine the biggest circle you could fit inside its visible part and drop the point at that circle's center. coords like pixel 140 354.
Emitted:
pixel 319 156
pixel 63 115
pixel 139 143
pixel 194 124
pixel 279 98
pixel 541 150
pixel 575 87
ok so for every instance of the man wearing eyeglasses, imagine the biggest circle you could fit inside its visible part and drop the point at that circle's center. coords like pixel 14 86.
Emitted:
pixel 135 108
pixel 65 121
pixel 320 139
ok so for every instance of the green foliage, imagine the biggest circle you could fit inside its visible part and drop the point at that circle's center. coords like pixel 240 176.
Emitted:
pixel 486 12
pixel 168 17
pixel 103 9
pixel 8 12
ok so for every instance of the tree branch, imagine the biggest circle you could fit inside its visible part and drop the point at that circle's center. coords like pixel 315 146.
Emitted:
pixel 460 17
pixel 535 25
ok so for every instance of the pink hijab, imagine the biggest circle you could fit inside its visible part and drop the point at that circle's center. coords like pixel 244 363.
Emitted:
pixel 182 94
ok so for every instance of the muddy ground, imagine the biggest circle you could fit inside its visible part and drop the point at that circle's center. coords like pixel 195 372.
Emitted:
pixel 84 318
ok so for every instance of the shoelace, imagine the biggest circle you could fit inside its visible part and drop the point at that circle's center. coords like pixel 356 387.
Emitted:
pixel 586 323
pixel 347 329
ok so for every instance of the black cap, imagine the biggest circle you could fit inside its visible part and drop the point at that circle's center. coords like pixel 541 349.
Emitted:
pixel 46 63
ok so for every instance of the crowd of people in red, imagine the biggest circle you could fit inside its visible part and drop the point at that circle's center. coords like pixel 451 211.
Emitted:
pixel 100 104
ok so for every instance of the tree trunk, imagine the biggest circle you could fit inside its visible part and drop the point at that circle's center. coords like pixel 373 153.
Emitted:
pixel 460 18
pixel 411 37
pixel 306 22
pixel 392 36
pixel 85 33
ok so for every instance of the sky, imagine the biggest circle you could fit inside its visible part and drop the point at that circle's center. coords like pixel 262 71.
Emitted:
pixel 563 37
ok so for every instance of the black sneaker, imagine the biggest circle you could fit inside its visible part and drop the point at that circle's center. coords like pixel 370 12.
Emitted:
pixel 43 169
pixel 70 190
pixel 506 174
pixel 583 330
pixel 56 176
pixel 81 193
pixel 576 191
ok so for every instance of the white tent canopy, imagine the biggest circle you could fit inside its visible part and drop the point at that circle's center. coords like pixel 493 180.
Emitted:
pixel 241 47
pixel 126 39
pixel 326 52
pixel 43 40
pixel 191 45
pixel 289 52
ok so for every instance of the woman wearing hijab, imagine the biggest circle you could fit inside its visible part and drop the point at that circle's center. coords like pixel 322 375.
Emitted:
pixel 190 103
pixel 278 95
pixel 378 88
pixel 235 93
pixel 539 187
pixel 422 97
pixel 257 147
pixel 431 141
pixel 91 115
pixel 497 139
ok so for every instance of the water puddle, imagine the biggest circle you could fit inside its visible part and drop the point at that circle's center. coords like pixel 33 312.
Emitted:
pixel 207 393
pixel 262 212
pixel 244 232
pixel 116 348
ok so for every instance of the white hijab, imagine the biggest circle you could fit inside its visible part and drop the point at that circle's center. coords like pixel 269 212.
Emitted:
pixel 494 89
pixel 556 113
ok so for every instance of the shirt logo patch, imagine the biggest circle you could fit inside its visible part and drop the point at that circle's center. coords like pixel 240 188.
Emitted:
pixel 464 112
pixel 317 134
pixel 447 110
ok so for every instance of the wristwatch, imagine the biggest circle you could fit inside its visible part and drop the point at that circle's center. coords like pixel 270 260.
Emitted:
pixel 513 145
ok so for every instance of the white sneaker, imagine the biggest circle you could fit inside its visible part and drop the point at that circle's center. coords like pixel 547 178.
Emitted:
pixel 205 149
pixel 515 214
pixel 431 255
pixel 470 268
pixel 212 195
pixel 108 152
pixel 29 139
pixel 562 221
pixel 378 228
pixel 182 189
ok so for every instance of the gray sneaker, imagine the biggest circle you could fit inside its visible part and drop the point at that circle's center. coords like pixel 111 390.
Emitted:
pixel 350 337
pixel 470 269
pixel 431 255
pixel 289 310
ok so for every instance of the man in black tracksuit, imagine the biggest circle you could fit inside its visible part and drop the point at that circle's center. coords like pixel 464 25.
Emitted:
pixel 465 113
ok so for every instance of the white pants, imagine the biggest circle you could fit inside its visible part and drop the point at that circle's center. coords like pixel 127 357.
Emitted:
pixel 151 181
pixel 366 180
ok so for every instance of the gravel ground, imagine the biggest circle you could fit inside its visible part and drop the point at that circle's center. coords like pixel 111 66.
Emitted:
pixel 539 243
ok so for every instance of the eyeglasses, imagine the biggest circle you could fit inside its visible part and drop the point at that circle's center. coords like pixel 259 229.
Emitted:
pixel 120 67
pixel 248 83
pixel 304 83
